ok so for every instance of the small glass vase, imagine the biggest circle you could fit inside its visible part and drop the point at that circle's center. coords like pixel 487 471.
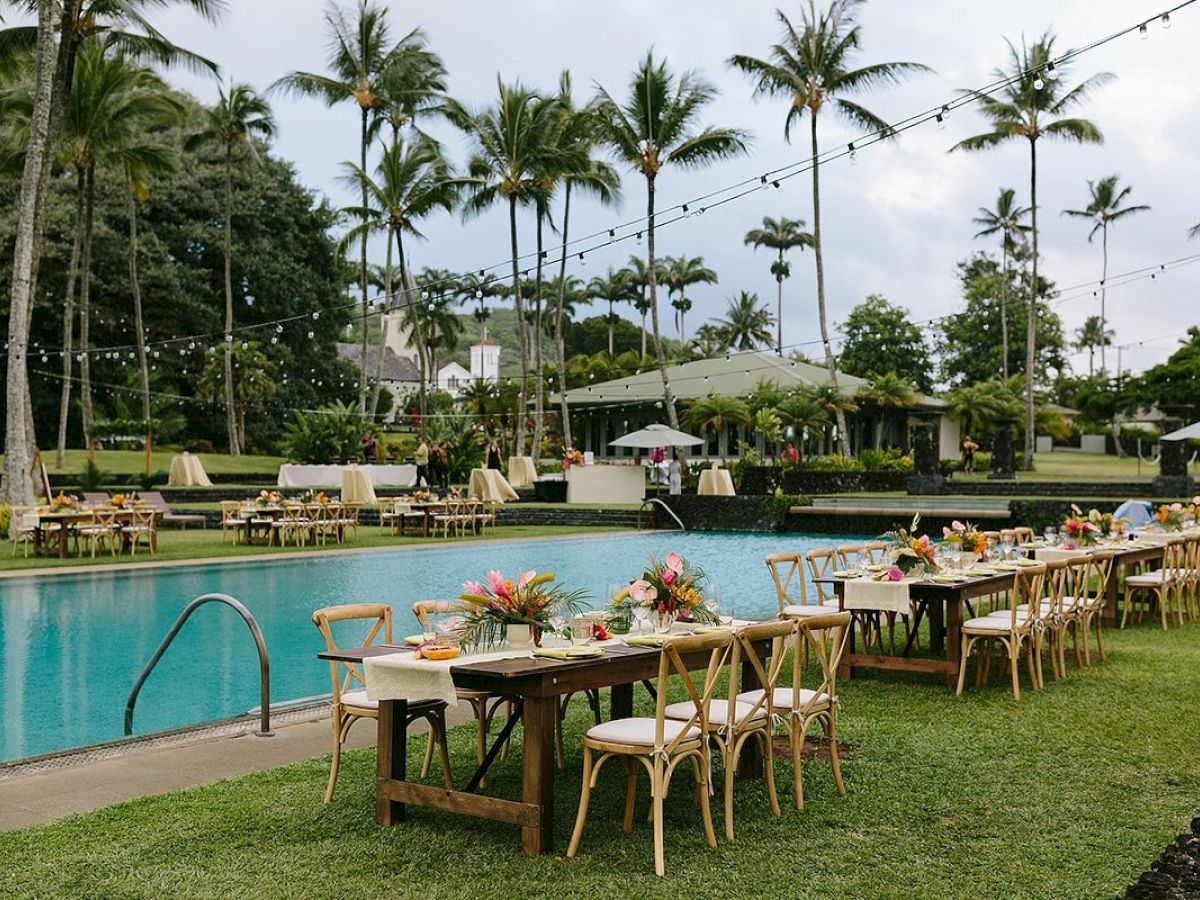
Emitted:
pixel 661 621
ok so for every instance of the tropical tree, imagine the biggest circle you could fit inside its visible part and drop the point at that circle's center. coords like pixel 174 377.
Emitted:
pixel 879 336
pixel 830 398
pixel 709 340
pixel 1104 209
pixel 888 393
pixel 411 183
pixel 781 235
pixel 431 316
pixel 716 413
pixel 1005 220
pixel 679 274
pixel 657 126
pixel 510 143
pixel 801 413
pixel 810 67
pixel 253 380
pixel 637 275
pixel 360 53
pixel 238 119
pixel 612 288
pixel 746 325
pixel 412 85
pixel 1089 336
pixel 1031 105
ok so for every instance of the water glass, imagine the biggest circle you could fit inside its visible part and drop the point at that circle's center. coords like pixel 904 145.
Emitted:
pixel 580 630
pixel 1006 546
pixel 640 612
pixel 1051 534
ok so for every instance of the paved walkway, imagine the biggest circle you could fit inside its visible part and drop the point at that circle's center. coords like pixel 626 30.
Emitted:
pixel 41 793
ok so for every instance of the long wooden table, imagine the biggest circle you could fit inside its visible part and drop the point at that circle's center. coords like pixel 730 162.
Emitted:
pixel 536 686
pixel 66 519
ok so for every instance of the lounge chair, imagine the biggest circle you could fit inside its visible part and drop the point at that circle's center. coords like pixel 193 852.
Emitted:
pixel 155 500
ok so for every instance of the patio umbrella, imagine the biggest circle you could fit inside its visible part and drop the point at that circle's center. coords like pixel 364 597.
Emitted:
pixel 656 436
pixel 1188 433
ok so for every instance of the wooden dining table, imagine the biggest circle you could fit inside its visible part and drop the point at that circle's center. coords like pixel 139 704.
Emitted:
pixel 536 686
pixel 66 519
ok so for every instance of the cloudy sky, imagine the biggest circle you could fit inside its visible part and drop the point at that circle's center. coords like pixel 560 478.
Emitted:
pixel 896 221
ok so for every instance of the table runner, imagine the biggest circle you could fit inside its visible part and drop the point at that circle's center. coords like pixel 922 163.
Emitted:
pixel 866 593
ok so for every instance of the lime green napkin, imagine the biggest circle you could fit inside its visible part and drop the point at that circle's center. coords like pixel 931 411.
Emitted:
pixel 414 640
pixel 709 629
pixel 843 574
pixel 646 640
pixel 949 579
pixel 566 653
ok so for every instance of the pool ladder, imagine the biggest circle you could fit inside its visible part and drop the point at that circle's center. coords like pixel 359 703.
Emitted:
pixel 264 662
pixel 653 501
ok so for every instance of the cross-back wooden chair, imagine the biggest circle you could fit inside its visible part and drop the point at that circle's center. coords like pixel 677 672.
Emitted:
pixel 231 519
pixel 1023 534
pixel 820 565
pixel 1190 577
pixel 350 701
pixel 1013 629
pixel 347 519
pixel 25 528
pixel 660 744
pixel 1052 614
pixel 141 526
pixel 791 591
pixel 822 638
pixel 1092 613
pixel 103 529
pixel 1161 589
pixel 734 722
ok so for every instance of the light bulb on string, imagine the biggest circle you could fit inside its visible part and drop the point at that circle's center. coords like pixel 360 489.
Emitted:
pixel 1166 20
pixel 853 153
pixel 1038 84
pixel 311 335
pixel 1051 72
pixel 1143 31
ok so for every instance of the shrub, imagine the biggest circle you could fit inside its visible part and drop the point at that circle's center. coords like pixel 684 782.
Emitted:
pixel 146 482
pixel 464 441
pixel 199 445
pixel 832 464
pixel 5 518
pixel 886 460
pixel 319 436
pixel 93 477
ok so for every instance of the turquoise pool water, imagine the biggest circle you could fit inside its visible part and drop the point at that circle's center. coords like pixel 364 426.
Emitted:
pixel 71 646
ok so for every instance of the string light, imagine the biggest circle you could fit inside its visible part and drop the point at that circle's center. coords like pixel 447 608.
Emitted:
pixel 1143 31
pixel 1166 20
pixel 1051 72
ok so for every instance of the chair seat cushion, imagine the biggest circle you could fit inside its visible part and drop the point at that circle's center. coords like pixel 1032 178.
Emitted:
pixel 718 711
pixel 638 731
pixel 1155 578
pixel 807 609
pixel 999 622
pixel 359 699
pixel 783 698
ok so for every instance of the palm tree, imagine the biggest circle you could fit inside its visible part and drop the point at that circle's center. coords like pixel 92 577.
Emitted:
pixel 637 275
pixel 716 413
pixel 239 117
pixel 655 127
pixel 1104 209
pixel 1089 336
pixel 800 412
pixel 680 273
pixel 412 182
pixel 887 393
pixel 359 56
pixel 746 325
pixel 254 380
pixel 431 316
pixel 709 340
pixel 612 289
pixel 412 85
pixel 509 149
pixel 1026 107
pixel 780 235
pixel 810 68
pixel 1005 220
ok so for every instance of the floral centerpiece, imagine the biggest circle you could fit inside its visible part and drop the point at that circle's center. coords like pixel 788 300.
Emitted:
pixel 516 612
pixel 1083 530
pixel 311 496
pixel 1173 516
pixel 572 457
pixel 968 537
pixel 268 498
pixel 422 496
pixel 63 502
pixel 911 554
pixel 658 455
pixel 671 589
pixel 120 501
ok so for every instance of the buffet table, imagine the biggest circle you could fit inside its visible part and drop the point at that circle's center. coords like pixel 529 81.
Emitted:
pixel 606 484
pixel 291 475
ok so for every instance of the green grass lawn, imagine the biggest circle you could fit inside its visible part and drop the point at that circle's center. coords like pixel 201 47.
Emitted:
pixel 199 544
pixel 1071 792
pixel 1062 465
pixel 132 462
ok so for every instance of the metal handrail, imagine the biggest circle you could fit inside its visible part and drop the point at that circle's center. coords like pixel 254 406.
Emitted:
pixel 652 500
pixel 264 662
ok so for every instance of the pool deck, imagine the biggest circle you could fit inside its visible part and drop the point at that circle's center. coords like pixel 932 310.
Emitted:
pixel 66 785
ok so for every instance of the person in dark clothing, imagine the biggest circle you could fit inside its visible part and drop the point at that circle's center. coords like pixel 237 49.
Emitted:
pixel 444 458
pixel 435 464
pixel 493 455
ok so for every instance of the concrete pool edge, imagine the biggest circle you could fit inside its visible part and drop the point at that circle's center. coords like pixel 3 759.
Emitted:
pixel 132 566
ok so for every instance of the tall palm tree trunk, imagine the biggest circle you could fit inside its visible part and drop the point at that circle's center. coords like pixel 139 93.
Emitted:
pixel 1103 297
pixel 779 307
pixel 362 264
pixel 645 332
pixel 68 351
pixel 610 329
pixel 230 411
pixel 539 414
pixel 668 397
pixel 411 296
pixel 387 305
pixel 1004 308
pixel 1031 324
pixel 519 439
pixel 560 363
pixel 830 364
pixel 85 309
pixel 136 287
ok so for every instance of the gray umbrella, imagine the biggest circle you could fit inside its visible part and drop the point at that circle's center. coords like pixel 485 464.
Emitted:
pixel 656 436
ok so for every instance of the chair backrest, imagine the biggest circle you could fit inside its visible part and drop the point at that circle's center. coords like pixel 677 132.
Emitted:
pixel 787 572
pixel 1055 587
pixel 104 518
pixel 380 617
pixel 824 639
pixel 1174 559
pixel 230 509
pixel 1027 588
pixel 671 662
pixel 144 516
pixel 820 564
pixel 1076 583
pixel 847 555
pixel 766 668
pixel 155 499
pixel 1101 562
pixel 877 550
pixel 423 609
pixel 1023 533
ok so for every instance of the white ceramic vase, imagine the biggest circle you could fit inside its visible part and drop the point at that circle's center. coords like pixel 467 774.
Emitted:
pixel 518 636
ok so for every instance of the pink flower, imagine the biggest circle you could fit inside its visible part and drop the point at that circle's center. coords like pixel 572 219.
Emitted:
pixel 1175 507
pixel 523 578
pixel 674 562
pixel 496 582
pixel 958 526
pixel 1069 546
pixel 474 588
pixel 642 591
pixel 668 577
pixel 946 532
pixel 924 541
pixel 895 574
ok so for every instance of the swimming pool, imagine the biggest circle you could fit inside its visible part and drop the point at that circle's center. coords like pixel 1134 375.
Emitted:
pixel 71 646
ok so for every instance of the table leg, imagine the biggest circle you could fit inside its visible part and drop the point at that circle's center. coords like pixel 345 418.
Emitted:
pixel 1111 610
pixel 621 702
pixel 62 540
pixel 537 762
pixel 937 633
pixel 391 758
pixel 750 763
pixel 954 620
pixel 845 670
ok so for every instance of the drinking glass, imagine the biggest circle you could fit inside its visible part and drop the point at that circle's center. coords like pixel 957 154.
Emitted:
pixel 580 630
pixel 640 613
pixel 1051 534
pixel 864 560
pixel 560 624
pixel 1006 546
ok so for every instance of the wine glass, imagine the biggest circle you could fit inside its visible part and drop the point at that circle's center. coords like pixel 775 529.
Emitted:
pixel 1051 534
pixel 640 613
pixel 1006 546
pixel 864 560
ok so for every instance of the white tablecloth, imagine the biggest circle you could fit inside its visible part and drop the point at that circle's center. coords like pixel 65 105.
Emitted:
pixel 356 485
pixel 716 481
pixel 187 471
pixel 606 484
pixel 489 484
pixel 867 593
pixel 1052 554
pixel 291 475
pixel 521 471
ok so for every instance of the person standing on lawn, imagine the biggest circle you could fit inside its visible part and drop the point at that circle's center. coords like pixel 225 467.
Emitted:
pixel 421 458
pixel 969 447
